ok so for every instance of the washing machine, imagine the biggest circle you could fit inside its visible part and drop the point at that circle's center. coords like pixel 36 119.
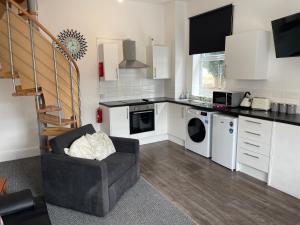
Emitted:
pixel 199 131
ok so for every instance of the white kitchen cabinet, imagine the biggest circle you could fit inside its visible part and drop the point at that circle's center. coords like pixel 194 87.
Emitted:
pixel 247 56
pixel 285 159
pixel 116 121
pixel 161 118
pixel 159 62
pixel 176 121
pixel 254 145
pixel 108 55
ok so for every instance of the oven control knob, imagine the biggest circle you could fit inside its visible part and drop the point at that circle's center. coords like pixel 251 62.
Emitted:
pixel 231 124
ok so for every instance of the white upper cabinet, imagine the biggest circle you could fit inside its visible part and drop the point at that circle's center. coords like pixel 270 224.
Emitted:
pixel 159 62
pixel 109 56
pixel 247 56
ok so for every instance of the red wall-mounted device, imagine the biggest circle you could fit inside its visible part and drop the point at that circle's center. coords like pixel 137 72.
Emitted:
pixel 99 115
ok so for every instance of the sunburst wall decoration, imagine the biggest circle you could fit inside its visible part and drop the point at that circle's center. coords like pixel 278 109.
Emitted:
pixel 74 41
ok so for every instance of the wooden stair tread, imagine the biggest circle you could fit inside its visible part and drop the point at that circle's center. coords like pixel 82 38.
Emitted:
pixel 50 108
pixel 27 92
pixel 54 120
pixel 55 131
pixel 7 75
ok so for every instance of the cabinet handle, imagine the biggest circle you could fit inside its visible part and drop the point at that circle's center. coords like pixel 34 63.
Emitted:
pixel 154 70
pixel 256 157
pixel 137 113
pixel 247 143
pixel 182 112
pixel 156 110
pixel 248 132
pixel 250 121
pixel 127 114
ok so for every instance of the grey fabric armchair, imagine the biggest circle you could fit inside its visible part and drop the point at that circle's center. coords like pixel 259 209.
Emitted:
pixel 89 186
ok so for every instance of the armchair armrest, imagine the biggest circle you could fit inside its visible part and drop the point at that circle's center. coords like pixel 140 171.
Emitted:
pixel 127 145
pixel 75 183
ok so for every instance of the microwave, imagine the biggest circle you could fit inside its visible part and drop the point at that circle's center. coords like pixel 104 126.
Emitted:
pixel 223 99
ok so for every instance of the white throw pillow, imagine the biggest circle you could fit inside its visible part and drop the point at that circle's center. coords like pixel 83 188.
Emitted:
pixel 81 148
pixel 101 145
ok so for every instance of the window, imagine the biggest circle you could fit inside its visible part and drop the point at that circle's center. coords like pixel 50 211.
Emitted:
pixel 208 72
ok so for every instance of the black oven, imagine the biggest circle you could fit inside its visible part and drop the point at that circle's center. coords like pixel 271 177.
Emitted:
pixel 142 118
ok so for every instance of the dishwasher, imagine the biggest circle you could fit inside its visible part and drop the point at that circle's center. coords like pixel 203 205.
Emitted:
pixel 224 140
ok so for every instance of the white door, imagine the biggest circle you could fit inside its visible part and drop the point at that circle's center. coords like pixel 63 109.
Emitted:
pixel 119 121
pixel 108 54
pixel 161 118
pixel 161 62
pixel 176 120
pixel 285 159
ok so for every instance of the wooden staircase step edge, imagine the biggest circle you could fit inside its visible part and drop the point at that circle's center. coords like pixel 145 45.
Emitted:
pixel 50 108
pixel 55 131
pixel 8 75
pixel 54 120
pixel 27 92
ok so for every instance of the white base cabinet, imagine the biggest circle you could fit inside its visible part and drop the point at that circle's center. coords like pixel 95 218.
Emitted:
pixel 176 121
pixel 116 121
pixel 161 118
pixel 254 144
pixel 285 159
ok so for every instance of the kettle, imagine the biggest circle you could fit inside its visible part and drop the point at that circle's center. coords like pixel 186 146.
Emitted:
pixel 247 101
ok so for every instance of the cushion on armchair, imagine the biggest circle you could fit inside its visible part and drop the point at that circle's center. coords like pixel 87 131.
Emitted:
pixel 65 141
pixel 91 146
pixel 81 148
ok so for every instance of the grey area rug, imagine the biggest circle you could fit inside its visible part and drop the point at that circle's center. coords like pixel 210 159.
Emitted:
pixel 141 205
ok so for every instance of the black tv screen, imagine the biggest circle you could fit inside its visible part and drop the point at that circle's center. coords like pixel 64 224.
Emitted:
pixel 286 32
pixel 208 31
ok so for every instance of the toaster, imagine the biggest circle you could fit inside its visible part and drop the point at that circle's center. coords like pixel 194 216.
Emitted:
pixel 261 104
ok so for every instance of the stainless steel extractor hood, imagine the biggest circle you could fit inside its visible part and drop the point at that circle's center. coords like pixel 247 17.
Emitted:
pixel 129 52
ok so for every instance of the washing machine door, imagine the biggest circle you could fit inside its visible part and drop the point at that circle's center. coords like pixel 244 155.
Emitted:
pixel 196 130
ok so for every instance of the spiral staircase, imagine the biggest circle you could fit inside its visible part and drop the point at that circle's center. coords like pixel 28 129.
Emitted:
pixel 29 57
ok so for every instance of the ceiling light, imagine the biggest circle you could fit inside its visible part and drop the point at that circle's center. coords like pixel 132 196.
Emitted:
pixel 120 1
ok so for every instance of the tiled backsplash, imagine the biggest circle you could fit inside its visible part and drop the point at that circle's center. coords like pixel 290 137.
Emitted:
pixel 133 84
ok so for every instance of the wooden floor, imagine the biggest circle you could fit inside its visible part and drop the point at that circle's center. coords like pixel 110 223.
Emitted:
pixel 211 194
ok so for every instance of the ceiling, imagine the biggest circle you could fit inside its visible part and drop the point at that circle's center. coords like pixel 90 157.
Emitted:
pixel 156 1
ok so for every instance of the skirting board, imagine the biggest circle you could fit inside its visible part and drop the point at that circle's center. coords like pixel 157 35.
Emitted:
pixel 176 140
pixel 19 154
pixel 153 139
pixel 252 172
pixel 162 137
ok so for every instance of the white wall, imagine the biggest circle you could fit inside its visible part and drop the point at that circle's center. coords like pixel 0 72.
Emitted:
pixel 18 126
pixel 136 20
pixel 176 37
pixel 284 74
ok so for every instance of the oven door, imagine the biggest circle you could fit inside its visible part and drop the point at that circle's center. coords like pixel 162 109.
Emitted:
pixel 142 121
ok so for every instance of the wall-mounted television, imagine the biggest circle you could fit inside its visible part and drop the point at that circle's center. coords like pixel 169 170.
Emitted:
pixel 286 32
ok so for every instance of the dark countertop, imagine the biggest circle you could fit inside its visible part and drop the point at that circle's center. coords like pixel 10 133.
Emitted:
pixel 270 116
